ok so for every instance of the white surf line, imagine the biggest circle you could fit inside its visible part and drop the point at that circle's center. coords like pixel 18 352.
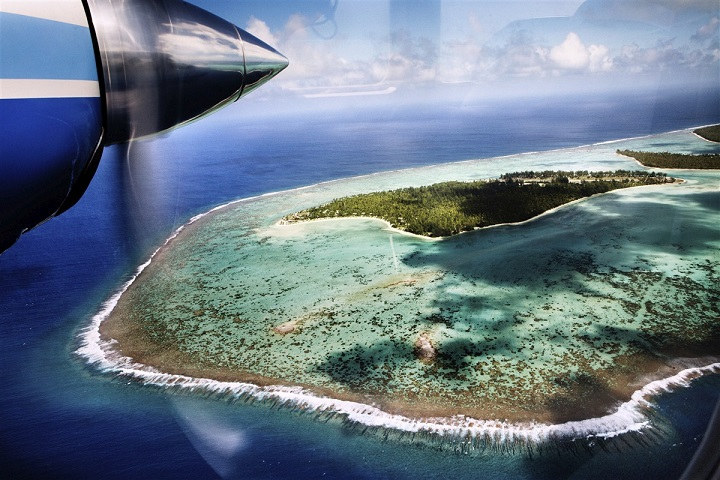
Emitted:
pixel 421 167
pixel 628 417
pixel 389 227
pixel 649 135
pixel 437 165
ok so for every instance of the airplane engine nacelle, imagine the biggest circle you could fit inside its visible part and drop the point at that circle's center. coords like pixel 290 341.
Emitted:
pixel 77 75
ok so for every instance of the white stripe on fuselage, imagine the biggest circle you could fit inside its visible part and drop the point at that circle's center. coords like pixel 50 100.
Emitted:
pixel 65 11
pixel 33 88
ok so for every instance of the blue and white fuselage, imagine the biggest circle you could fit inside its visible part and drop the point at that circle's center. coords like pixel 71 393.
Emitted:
pixel 50 108
pixel 76 75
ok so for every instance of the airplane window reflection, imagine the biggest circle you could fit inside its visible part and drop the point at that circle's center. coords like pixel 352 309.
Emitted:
pixel 347 239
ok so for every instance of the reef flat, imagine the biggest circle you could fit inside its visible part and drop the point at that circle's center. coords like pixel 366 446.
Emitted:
pixel 560 319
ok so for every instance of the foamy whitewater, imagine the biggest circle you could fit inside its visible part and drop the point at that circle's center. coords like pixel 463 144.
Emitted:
pixel 630 416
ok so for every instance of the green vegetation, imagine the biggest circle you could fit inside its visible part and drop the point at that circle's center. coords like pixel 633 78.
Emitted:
pixel 449 208
pixel 709 133
pixel 705 161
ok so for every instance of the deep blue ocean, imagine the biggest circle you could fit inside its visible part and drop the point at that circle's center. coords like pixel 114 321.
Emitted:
pixel 61 419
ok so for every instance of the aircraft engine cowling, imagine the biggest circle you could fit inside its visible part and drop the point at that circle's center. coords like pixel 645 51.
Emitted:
pixel 78 75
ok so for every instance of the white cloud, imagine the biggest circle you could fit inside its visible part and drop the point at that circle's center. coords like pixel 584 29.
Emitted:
pixel 665 57
pixel 406 58
pixel 522 56
pixel 261 30
pixel 521 61
pixel 313 63
pixel 600 60
pixel 462 61
pixel 708 30
pixel 325 67
pixel 572 54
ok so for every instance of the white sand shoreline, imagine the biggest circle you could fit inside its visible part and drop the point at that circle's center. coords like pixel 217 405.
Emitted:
pixel 628 416
pixel 410 169
pixel 703 138
pixel 388 226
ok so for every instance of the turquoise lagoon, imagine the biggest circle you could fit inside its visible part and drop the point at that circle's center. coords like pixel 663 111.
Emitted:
pixel 566 325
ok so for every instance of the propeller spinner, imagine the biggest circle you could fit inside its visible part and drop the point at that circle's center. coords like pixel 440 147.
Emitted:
pixel 82 75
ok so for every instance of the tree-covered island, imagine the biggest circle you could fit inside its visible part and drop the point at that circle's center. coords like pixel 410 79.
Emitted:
pixel 449 208
pixel 711 133
pixel 705 161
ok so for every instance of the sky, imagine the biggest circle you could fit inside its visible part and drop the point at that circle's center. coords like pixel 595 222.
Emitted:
pixel 396 48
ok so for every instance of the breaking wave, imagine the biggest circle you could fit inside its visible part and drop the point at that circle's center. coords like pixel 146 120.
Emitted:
pixel 630 416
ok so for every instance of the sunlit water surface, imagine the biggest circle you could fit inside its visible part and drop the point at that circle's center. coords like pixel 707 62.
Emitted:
pixel 62 418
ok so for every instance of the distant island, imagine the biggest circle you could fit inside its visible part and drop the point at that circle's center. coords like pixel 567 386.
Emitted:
pixel 711 133
pixel 449 208
pixel 705 161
